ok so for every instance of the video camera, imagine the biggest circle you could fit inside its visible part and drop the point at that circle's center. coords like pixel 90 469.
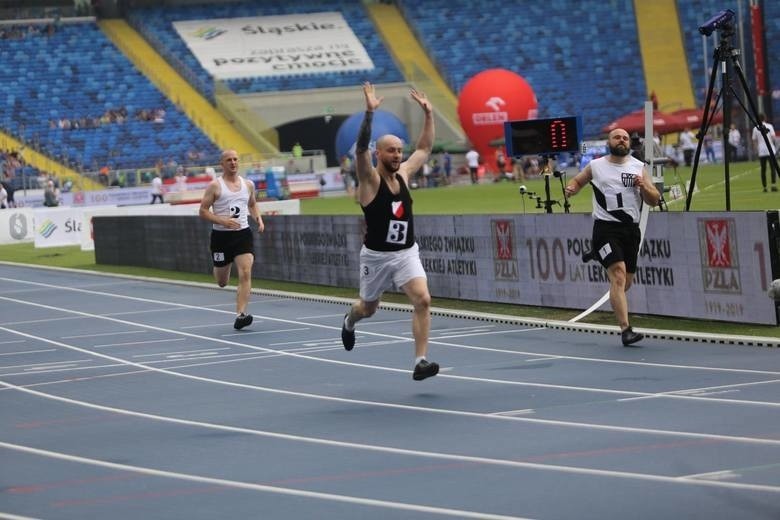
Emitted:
pixel 722 20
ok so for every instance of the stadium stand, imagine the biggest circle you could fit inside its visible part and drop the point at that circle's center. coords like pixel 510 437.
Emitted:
pixel 77 99
pixel 538 40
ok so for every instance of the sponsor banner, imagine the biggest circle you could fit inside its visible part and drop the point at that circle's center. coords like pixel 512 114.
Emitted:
pixel 283 45
pixel 712 266
pixel 16 225
pixel 59 226
pixel 111 197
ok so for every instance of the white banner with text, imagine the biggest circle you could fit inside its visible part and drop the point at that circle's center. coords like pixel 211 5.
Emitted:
pixel 283 45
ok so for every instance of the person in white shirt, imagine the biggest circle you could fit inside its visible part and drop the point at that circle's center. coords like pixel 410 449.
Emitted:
pixel 228 203
pixel 3 197
pixel 620 185
pixel 735 139
pixel 688 145
pixel 472 159
pixel 765 153
pixel 157 188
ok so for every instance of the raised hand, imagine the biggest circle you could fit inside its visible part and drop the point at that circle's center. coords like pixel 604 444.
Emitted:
pixel 372 102
pixel 422 100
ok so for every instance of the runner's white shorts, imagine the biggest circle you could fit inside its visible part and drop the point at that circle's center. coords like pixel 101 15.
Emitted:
pixel 381 270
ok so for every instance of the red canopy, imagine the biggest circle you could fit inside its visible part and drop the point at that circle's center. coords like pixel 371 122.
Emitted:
pixel 693 116
pixel 663 123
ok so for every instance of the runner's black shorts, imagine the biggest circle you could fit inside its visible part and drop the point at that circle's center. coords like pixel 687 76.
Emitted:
pixel 616 242
pixel 227 245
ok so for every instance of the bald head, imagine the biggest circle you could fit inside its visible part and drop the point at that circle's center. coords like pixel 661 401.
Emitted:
pixel 389 152
pixel 229 162
pixel 388 140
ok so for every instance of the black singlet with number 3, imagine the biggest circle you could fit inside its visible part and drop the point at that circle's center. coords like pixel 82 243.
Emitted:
pixel 389 222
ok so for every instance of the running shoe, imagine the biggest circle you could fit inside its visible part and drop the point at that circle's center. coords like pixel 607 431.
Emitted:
pixel 347 336
pixel 242 320
pixel 629 336
pixel 424 369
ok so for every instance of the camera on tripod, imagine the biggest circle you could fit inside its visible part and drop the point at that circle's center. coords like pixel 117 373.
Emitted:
pixel 722 20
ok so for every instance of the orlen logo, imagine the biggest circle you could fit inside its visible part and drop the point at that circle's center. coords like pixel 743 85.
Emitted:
pixel 497 116
pixel 46 228
pixel 504 260
pixel 720 263
pixel 208 33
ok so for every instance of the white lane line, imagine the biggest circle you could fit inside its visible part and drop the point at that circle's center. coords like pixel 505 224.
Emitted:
pixel 44 320
pixel 714 475
pixel 181 306
pixel 12 341
pixel 193 355
pixel 512 413
pixel 403 451
pixel 21 352
pixel 157 354
pixel 49 364
pixel 8 516
pixel 710 390
pixel 317 316
pixel 486 333
pixel 170 340
pixel 106 334
pixel 237 484
pixel 274 331
pixel 607 391
pixel 53 367
pixel 206 326
pixel 381 404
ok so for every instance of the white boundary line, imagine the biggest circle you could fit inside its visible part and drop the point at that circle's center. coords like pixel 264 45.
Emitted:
pixel 693 337
pixel 400 451
pixel 751 440
pixel 331 361
pixel 237 484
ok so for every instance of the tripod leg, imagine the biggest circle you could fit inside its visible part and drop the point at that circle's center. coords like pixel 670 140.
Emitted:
pixel 704 124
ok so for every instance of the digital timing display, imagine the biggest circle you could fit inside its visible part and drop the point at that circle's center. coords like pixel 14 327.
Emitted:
pixel 542 136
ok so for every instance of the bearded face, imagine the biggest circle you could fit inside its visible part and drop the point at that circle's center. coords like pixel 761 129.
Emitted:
pixel 619 143
pixel 620 149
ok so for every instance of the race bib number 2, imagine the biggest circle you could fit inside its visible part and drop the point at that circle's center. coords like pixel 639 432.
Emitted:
pixel 396 232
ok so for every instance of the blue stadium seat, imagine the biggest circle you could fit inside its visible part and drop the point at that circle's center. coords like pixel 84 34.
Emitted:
pixel 82 76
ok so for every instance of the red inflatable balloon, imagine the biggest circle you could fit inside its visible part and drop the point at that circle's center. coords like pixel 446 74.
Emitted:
pixel 489 99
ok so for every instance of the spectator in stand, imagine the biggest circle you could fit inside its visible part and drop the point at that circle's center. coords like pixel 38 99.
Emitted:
pixel 3 197
pixel 51 196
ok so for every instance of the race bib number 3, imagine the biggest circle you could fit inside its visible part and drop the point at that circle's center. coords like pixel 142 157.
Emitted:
pixel 396 232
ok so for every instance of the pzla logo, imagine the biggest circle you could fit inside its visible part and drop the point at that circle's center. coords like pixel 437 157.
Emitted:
pixel 719 255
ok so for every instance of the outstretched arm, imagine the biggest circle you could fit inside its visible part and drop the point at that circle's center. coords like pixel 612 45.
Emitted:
pixel 363 165
pixel 425 141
